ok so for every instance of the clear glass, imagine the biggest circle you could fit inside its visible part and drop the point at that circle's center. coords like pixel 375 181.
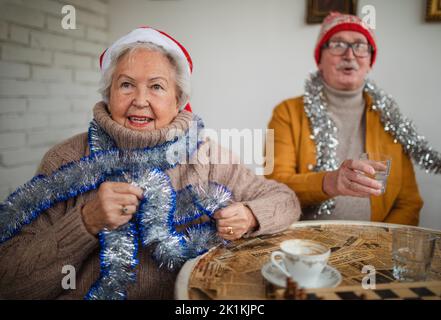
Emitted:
pixel 381 163
pixel 412 253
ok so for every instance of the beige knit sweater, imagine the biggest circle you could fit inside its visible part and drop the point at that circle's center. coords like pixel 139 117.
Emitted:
pixel 31 263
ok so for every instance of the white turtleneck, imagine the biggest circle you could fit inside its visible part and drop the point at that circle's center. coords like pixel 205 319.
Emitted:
pixel 347 110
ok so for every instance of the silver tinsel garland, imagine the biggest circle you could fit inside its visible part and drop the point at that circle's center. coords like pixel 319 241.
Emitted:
pixel 403 130
pixel 161 211
pixel 324 131
pixel 118 260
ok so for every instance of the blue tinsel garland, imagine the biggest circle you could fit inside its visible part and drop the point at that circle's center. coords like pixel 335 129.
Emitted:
pixel 161 211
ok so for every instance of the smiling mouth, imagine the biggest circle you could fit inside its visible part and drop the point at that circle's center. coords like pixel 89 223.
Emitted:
pixel 139 121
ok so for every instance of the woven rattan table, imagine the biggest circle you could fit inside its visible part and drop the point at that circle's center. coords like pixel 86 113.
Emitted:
pixel 234 271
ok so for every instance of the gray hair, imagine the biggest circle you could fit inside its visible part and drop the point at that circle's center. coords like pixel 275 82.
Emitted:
pixel 182 76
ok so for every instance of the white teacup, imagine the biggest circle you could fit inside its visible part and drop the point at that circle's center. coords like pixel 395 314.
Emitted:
pixel 302 260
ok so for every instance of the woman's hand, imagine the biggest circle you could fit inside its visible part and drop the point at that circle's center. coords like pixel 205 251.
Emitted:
pixel 113 207
pixel 234 221
pixel 351 180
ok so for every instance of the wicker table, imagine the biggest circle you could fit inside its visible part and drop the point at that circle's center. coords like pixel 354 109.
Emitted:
pixel 234 272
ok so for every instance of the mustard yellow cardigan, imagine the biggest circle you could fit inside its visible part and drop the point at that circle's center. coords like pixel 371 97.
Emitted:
pixel 295 155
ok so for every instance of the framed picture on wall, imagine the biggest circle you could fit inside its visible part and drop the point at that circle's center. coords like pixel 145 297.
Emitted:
pixel 319 9
pixel 433 12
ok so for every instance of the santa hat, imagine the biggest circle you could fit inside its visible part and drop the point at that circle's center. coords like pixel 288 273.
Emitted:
pixel 336 22
pixel 147 34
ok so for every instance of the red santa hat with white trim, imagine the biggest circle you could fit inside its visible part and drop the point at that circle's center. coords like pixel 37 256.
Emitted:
pixel 148 34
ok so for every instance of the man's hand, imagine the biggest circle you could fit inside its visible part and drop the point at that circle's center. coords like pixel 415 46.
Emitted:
pixel 351 180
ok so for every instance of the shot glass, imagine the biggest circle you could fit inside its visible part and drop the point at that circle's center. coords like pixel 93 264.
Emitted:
pixel 412 253
pixel 381 163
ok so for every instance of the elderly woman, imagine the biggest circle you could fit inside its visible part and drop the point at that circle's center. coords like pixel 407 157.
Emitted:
pixel 114 212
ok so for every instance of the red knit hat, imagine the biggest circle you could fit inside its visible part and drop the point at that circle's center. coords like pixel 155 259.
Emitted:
pixel 336 22
pixel 147 34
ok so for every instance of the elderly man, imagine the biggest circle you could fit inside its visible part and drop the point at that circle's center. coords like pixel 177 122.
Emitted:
pixel 319 136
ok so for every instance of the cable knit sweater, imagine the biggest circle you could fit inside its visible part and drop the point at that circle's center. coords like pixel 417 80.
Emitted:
pixel 31 262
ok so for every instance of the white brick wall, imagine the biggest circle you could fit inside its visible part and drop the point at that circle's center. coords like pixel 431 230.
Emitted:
pixel 24 54
pixel 3 30
pixel 51 74
pixel 14 70
pixel 48 79
pixel 19 34
pixel 49 41
pixel 47 105
pixel 72 60
pixel 12 140
pixel 12 87
pixel 12 105
pixel 53 24
pixel 21 15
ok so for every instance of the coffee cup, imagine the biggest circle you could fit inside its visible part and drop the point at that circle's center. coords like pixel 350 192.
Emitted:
pixel 301 260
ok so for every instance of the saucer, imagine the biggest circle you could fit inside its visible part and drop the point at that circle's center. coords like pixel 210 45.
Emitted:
pixel 329 277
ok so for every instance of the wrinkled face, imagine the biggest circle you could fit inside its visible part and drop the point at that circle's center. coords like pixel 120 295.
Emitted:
pixel 345 72
pixel 143 91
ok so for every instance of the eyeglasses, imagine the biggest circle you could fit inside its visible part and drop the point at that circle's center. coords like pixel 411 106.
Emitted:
pixel 339 48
